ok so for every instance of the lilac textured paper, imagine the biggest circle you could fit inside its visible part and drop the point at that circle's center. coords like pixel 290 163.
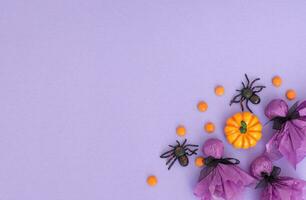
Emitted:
pixel 92 91
pixel 225 181
pixel 284 188
pixel 290 141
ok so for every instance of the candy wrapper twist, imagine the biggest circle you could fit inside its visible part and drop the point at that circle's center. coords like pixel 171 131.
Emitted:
pixel 274 186
pixel 289 139
pixel 221 178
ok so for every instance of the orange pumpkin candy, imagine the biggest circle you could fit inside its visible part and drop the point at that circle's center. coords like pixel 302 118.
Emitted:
pixel 243 130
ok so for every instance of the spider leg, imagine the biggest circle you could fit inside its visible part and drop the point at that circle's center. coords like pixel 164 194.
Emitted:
pixel 243 84
pixel 238 101
pixel 187 149
pixel 167 154
pixel 191 145
pixel 191 152
pixel 259 88
pixel 256 79
pixel 234 99
pixel 170 159
pixel 184 142
pixel 172 163
pixel 171 146
pixel 178 143
pixel 247 78
pixel 247 105
pixel 241 105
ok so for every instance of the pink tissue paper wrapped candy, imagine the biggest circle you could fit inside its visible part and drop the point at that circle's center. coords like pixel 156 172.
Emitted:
pixel 221 178
pixel 289 139
pixel 276 187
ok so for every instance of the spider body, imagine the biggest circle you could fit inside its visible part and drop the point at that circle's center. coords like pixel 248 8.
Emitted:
pixel 248 93
pixel 179 152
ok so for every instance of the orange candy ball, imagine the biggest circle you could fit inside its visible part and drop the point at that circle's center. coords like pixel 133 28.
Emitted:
pixel 219 90
pixel 277 81
pixel 181 131
pixel 202 106
pixel 290 94
pixel 199 161
pixel 152 180
pixel 209 127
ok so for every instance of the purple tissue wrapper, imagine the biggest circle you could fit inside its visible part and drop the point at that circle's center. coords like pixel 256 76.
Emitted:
pixel 225 181
pixel 289 142
pixel 285 188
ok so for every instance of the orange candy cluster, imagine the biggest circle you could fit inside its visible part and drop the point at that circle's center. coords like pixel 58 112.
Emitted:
pixel 277 82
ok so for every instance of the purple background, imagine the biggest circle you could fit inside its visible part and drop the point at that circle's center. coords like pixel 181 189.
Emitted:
pixel 91 91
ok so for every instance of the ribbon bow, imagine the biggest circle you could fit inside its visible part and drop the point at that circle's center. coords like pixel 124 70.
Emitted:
pixel 269 178
pixel 279 121
pixel 211 163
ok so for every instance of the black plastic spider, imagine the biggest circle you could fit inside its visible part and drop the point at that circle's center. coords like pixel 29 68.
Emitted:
pixel 248 93
pixel 180 152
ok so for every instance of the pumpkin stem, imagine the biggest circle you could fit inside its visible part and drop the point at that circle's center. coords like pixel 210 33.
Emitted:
pixel 243 127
